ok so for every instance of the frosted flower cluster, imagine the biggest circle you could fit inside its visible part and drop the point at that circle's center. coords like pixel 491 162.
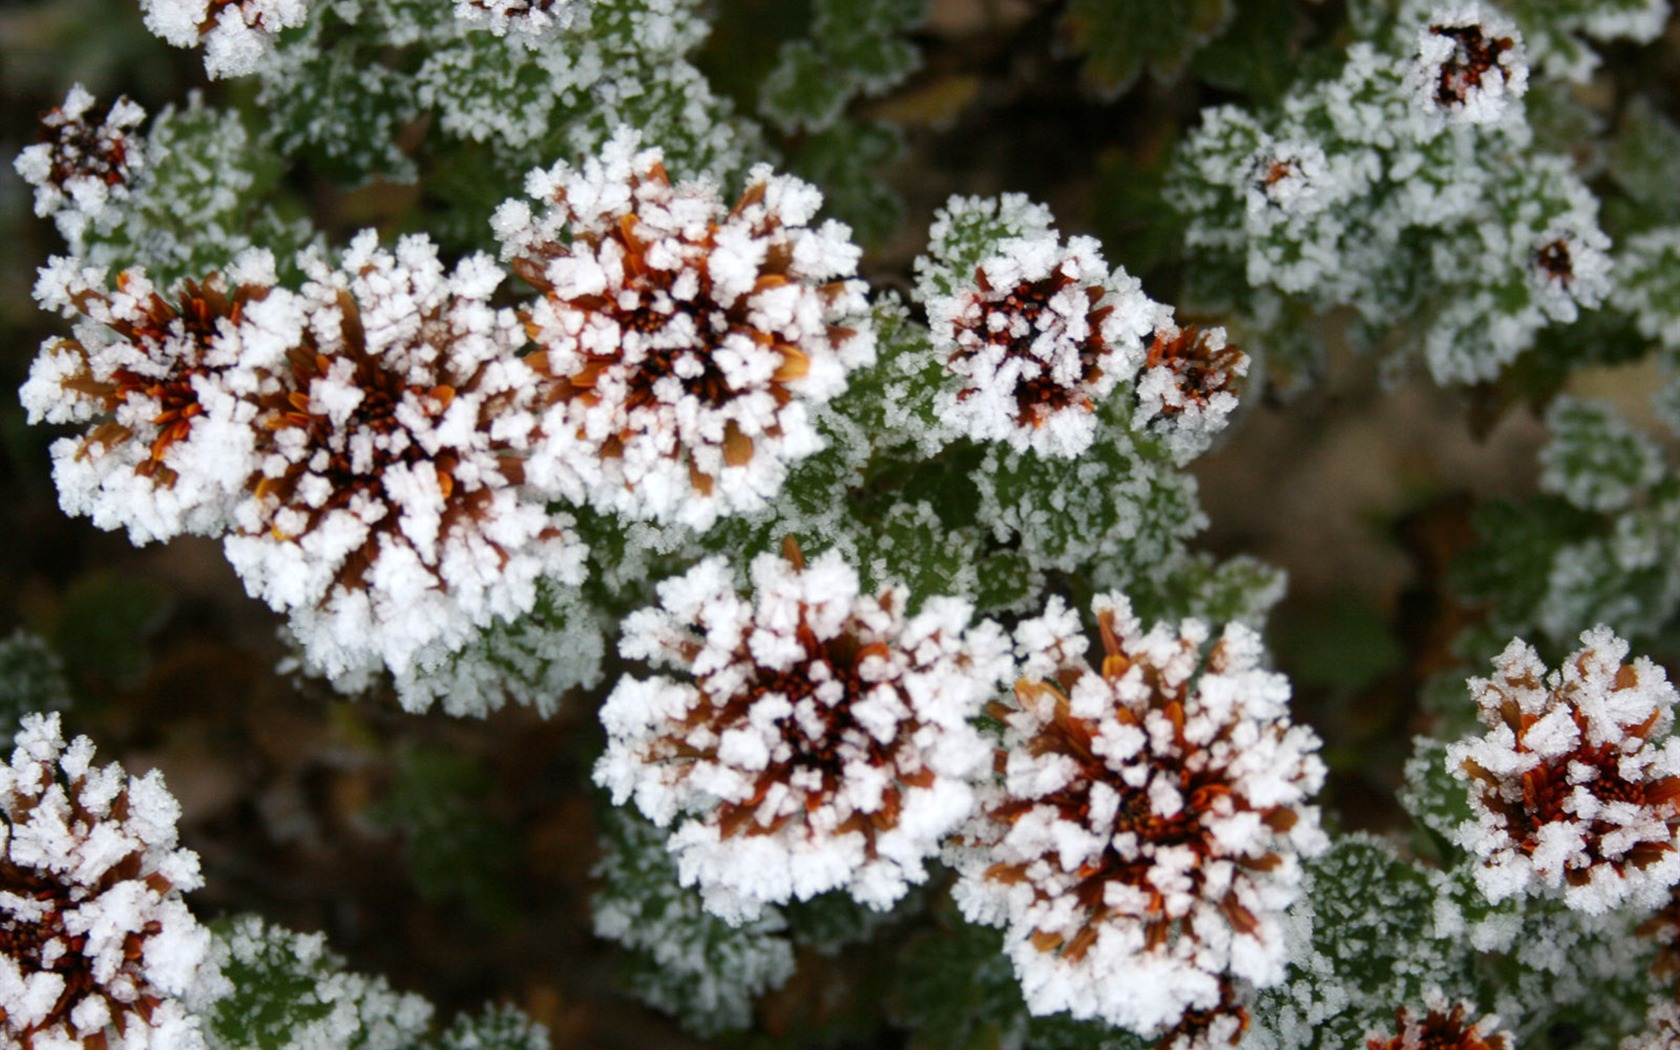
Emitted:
pixel 1469 65
pixel 1662 1028
pixel 681 342
pixel 1037 333
pixel 97 949
pixel 1185 390
pixel 523 21
pixel 1441 1028
pixel 1575 787
pixel 83 165
pixel 360 441
pixel 143 372
pixel 1144 838
pixel 821 742
pixel 236 34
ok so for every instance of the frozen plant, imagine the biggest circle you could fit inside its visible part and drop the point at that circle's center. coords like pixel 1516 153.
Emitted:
pixel 824 742
pixel 82 166
pixel 680 344
pixel 1441 1027
pixel 1576 785
pixel 1143 840
pixel 98 947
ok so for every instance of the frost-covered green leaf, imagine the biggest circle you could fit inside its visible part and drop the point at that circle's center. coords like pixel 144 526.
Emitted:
pixel 1436 799
pixel 1595 459
pixel 454 850
pixel 855 48
pixel 533 661
pixel 1647 285
pixel 849 160
pixel 201 162
pixel 494 1028
pixel 31 679
pixel 290 992
pixel 679 957
pixel 1561 33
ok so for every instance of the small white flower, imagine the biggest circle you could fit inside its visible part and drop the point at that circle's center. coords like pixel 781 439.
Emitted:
pixel 1469 67
pixel 81 169
pixel 236 34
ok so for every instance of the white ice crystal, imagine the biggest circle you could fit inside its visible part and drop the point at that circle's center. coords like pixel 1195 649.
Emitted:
pixel 822 743
pixel 236 34
pixel 1143 839
pixel 1575 787
pixel 1469 66
pixel 387 517
pixel 98 948
pixel 82 169
pixel 1036 332
pixel 170 443
pixel 681 342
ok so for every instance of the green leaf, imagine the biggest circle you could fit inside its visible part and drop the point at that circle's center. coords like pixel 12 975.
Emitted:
pixel 31 680
pixel 1120 39
pixel 105 627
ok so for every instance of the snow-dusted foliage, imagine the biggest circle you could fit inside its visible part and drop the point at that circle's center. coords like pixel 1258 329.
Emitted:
pixel 1403 162
pixel 1575 788
pixel 97 949
pixel 1144 838
pixel 236 34
pixel 1036 332
pixel 823 741
pixel 681 343
pixel 82 166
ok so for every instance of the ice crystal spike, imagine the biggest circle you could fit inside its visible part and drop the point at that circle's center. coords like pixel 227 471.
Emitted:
pixel 386 513
pixel 83 167
pixel 523 21
pixel 97 949
pixel 822 741
pixel 1575 787
pixel 167 446
pixel 681 343
pixel 1143 840
pixel 1440 1029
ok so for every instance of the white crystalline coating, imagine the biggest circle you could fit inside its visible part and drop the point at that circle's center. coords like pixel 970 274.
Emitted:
pixel 387 519
pixel 1143 840
pixel 1470 65
pixel 527 22
pixel 84 169
pixel 683 341
pixel 1575 787
pixel 1037 334
pixel 1570 265
pixel 822 743
pixel 171 440
pixel 1184 390
pixel 1662 1027
pixel 91 904
pixel 236 35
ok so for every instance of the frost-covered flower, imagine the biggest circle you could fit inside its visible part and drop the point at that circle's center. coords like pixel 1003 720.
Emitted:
pixel 1469 65
pixel 1662 1028
pixel 1038 335
pixel 97 948
pixel 823 741
pixel 524 21
pixel 1574 786
pixel 144 371
pixel 1185 392
pixel 682 341
pixel 236 34
pixel 1440 1029
pixel 387 516
pixel 1570 268
pixel 1220 1025
pixel 82 166
pixel 1287 176
pixel 1144 838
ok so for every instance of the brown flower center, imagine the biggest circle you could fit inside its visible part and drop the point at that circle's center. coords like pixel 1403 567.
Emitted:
pixel 1474 57
pixel 1042 395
